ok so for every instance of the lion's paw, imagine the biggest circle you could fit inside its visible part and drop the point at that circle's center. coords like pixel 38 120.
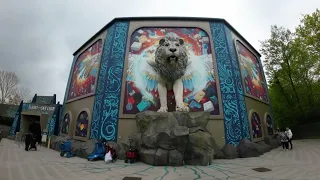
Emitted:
pixel 163 109
pixel 182 108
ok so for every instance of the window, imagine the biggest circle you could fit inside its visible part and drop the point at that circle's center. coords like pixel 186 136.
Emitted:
pixel 256 126
pixel 269 125
pixel 82 124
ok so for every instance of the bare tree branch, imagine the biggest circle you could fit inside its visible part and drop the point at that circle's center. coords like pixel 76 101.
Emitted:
pixel 9 82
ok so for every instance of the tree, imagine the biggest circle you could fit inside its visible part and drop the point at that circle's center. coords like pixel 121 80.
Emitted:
pixel 10 90
pixel 292 61
pixel 19 95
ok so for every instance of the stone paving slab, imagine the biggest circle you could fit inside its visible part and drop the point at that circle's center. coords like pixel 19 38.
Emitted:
pixel 302 163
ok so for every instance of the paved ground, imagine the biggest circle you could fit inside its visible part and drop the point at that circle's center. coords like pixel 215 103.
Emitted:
pixel 302 163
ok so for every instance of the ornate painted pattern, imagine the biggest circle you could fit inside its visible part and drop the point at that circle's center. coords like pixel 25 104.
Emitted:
pixel 65 94
pixel 51 125
pixel 107 100
pixel 53 120
pixel 240 93
pixel 16 121
pixel 228 86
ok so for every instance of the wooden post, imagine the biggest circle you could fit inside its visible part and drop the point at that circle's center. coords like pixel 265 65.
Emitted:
pixel 49 141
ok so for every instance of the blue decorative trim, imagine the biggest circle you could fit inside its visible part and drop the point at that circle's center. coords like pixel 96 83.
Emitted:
pixel 107 100
pixel 51 126
pixel 233 104
pixel 15 127
pixel 66 94
pixel 240 93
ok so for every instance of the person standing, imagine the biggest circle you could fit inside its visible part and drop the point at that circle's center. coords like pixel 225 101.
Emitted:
pixel 289 135
pixel 284 140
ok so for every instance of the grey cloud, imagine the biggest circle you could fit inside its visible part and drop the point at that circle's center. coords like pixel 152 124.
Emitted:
pixel 38 38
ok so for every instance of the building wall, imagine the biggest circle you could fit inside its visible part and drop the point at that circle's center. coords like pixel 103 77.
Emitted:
pixel 75 108
pixel 85 102
pixel 127 124
pixel 106 105
pixel 254 88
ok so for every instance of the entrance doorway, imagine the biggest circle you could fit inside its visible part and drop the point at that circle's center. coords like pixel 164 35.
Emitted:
pixel 31 123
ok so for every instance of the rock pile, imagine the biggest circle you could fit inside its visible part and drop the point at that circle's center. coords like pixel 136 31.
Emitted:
pixel 173 139
pixel 81 148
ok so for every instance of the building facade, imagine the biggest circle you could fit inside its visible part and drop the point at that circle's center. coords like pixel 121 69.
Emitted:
pixel 109 81
pixel 42 113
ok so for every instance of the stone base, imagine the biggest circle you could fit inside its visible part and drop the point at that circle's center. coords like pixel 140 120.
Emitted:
pixel 81 148
pixel 173 139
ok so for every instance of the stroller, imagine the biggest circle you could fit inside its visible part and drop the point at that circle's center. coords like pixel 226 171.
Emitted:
pixel 98 153
pixel 131 155
pixel 33 144
pixel 65 148
pixel 30 142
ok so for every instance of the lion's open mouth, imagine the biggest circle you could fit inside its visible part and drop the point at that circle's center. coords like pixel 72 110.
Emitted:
pixel 172 58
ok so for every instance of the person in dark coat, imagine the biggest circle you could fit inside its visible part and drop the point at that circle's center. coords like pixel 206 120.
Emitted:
pixel 28 140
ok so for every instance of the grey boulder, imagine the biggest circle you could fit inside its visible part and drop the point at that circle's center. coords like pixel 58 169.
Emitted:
pixel 247 149
pixel 230 152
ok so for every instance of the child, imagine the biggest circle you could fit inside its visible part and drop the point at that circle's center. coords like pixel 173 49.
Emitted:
pixel 284 140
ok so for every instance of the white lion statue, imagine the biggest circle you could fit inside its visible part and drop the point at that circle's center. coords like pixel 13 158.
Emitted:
pixel 170 68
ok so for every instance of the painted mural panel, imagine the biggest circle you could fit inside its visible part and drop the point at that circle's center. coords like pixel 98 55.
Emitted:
pixel 65 124
pixel 82 124
pixel 256 126
pixel 200 90
pixel 269 123
pixel 85 72
pixel 251 73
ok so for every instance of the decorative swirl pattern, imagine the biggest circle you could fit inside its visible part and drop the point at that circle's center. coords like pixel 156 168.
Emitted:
pixel 107 100
pixel 51 125
pixel 228 83
pixel 65 95
pixel 98 104
pixel 240 93
pixel 16 121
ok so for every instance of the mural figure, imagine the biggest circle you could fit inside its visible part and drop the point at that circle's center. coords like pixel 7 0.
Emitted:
pixel 170 69
pixel 251 73
pixel 82 124
pixel 269 125
pixel 85 72
pixel 65 124
pixel 256 125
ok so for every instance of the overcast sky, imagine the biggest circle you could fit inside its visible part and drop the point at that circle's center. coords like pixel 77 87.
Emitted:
pixel 38 38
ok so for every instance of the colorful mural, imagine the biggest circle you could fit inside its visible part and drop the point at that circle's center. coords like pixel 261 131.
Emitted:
pixel 82 124
pixel 256 126
pixel 85 72
pixel 269 125
pixel 65 124
pixel 251 73
pixel 200 90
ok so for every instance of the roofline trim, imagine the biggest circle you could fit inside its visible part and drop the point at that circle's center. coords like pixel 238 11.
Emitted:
pixel 165 18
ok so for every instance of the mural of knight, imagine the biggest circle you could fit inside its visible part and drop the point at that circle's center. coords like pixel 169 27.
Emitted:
pixel 186 65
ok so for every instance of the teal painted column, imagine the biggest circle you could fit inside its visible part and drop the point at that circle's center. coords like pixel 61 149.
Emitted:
pixel 108 94
pixel 236 123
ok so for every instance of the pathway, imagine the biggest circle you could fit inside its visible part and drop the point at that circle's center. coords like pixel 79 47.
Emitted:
pixel 302 163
